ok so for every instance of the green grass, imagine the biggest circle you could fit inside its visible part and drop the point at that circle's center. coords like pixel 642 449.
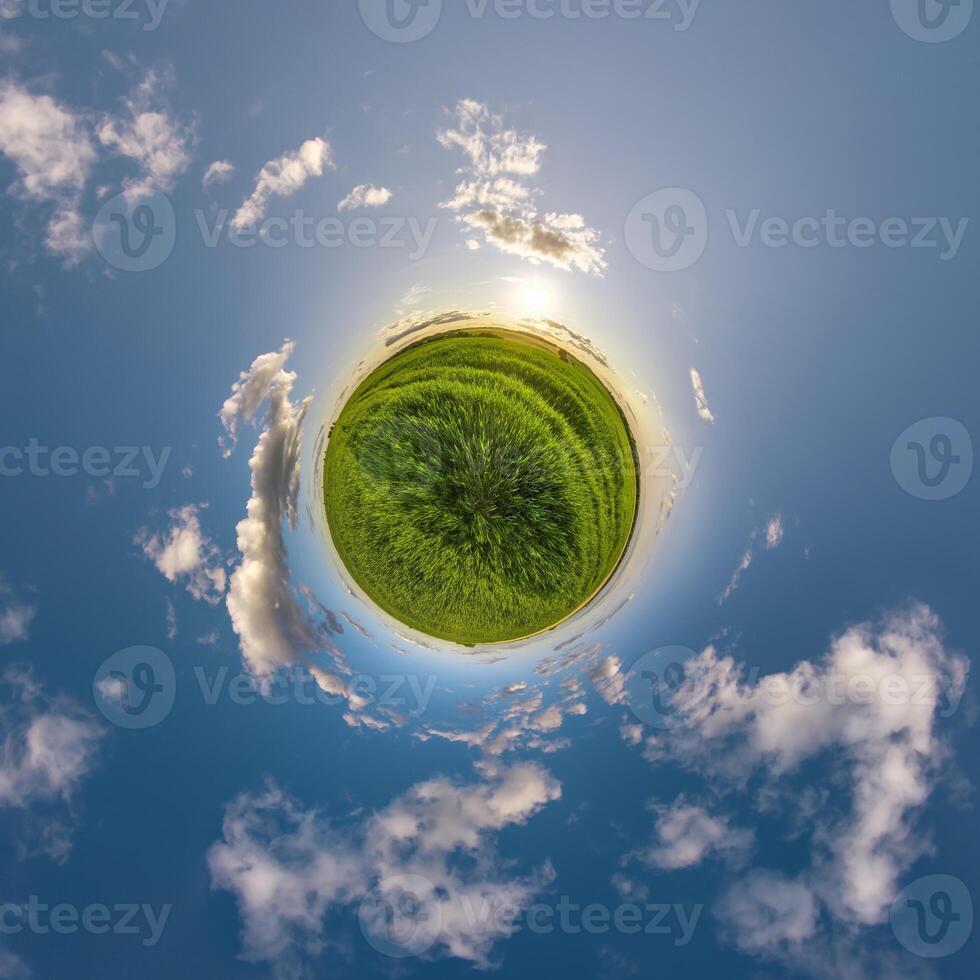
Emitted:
pixel 480 486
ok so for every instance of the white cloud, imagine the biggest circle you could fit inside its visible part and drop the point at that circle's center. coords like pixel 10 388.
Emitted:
pixel 260 601
pixel 12 967
pixel 686 835
pixel 10 45
pixel 16 616
pixel 68 235
pixel 774 532
pixel 607 675
pixel 282 177
pixel 412 298
pixel 562 240
pixel 184 553
pixel 49 746
pixel 365 196
pixel 772 538
pixel 524 722
pixel 112 690
pixel 219 172
pixel 53 154
pixel 288 867
pixel 171 620
pixel 700 398
pixel 493 197
pixel 767 912
pixel 148 134
pixel 491 149
pixel 874 701
pixel 744 564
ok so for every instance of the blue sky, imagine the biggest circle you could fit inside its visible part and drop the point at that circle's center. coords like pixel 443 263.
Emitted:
pixel 762 217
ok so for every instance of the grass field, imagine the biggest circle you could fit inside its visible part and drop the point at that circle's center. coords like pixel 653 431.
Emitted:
pixel 480 486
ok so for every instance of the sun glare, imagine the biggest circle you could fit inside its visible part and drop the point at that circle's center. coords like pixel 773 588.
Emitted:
pixel 535 298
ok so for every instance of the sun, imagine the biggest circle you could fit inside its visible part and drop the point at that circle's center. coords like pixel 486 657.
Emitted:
pixel 535 297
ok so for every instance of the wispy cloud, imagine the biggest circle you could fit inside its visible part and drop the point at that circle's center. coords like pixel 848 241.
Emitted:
pixel 493 197
pixel 289 867
pixel 701 400
pixel 49 145
pixel 365 196
pixel 849 706
pixel 281 177
pixel 49 746
pixel 771 537
pixel 687 834
pixel 54 151
pixel 16 615
pixel 148 133
pixel 412 298
pixel 183 553
pixel 219 172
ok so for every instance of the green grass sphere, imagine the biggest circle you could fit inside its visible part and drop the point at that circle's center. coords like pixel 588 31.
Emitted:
pixel 480 486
